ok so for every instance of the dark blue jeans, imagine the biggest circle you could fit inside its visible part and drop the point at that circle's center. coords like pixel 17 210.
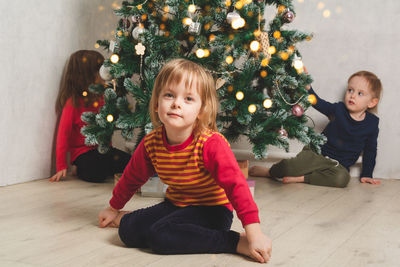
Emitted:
pixel 168 229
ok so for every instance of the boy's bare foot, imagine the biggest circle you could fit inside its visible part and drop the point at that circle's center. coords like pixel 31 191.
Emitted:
pixel 293 179
pixel 259 171
pixel 117 220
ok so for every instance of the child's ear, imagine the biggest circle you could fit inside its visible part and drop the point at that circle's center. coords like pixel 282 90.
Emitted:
pixel 374 101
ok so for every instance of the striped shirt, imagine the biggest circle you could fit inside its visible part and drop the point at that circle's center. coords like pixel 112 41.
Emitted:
pixel 200 171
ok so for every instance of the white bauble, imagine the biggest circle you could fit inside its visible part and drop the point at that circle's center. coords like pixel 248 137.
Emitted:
pixel 105 73
pixel 231 16
pixel 137 31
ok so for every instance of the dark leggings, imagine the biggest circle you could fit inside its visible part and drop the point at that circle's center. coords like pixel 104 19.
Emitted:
pixel 168 229
pixel 95 167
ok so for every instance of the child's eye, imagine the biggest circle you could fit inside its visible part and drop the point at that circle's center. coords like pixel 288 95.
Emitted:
pixel 360 93
pixel 350 90
pixel 168 95
pixel 189 98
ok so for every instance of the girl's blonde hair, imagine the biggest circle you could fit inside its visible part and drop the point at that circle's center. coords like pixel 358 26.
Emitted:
pixel 81 71
pixel 375 85
pixel 193 76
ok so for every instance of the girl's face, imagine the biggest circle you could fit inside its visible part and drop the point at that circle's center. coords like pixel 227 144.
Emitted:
pixel 178 108
pixel 359 96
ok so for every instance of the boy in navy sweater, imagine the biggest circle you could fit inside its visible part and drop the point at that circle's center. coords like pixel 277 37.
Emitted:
pixel 352 129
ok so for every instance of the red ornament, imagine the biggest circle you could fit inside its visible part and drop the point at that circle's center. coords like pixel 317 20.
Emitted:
pixel 297 110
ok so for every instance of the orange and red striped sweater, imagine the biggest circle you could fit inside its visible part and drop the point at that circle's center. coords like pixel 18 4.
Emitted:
pixel 200 171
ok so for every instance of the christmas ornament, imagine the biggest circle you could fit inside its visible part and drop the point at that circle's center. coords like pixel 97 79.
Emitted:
pixel 194 28
pixel 282 133
pixel 112 46
pixel 297 110
pixel 231 16
pixel 312 99
pixel 140 48
pixel 288 16
pixel 105 73
pixel 137 31
pixel 126 23
pixel 219 83
pixel 264 43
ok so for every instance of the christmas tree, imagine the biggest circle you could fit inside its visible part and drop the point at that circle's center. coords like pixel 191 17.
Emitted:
pixel 259 74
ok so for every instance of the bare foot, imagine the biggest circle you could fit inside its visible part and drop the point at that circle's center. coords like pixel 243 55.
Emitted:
pixel 259 171
pixel 293 179
pixel 117 220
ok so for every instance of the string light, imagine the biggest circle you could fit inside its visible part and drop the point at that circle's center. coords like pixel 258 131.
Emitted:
pixel 298 64
pixel 277 34
pixel 200 53
pixel 229 59
pixel 114 58
pixel 238 23
pixel 264 62
pixel 271 50
pixel 187 21
pixel 254 46
pixel 192 8
pixel 252 108
pixel 84 93
pixel 267 103
pixel 239 95
pixel 263 73
pixel 312 99
pixel 110 118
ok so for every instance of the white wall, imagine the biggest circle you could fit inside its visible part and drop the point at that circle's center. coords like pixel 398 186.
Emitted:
pixel 38 36
pixel 358 35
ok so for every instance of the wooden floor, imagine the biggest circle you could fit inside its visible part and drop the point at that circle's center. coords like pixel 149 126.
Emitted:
pixel 55 224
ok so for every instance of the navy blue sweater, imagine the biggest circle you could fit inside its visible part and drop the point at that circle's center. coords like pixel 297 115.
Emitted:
pixel 347 138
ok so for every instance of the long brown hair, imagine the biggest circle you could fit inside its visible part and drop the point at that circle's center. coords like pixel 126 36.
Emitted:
pixel 82 70
pixel 193 75
pixel 375 85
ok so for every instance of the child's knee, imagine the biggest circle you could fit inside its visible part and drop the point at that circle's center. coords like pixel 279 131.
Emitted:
pixel 128 233
pixel 158 239
pixel 342 179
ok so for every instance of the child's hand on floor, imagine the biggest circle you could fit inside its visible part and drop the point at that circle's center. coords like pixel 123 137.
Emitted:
pixel 107 216
pixel 56 177
pixel 369 180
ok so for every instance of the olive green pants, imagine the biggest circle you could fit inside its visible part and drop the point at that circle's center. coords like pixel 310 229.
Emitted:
pixel 317 169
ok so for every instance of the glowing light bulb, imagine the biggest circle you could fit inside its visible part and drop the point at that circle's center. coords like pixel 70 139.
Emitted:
pixel 312 99
pixel 84 93
pixel 265 62
pixel 229 59
pixel 192 8
pixel 200 53
pixel 271 50
pixel 239 4
pixel 114 58
pixel 238 23
pixel 267 103
pixel 228 3
pixel 263 73
pixel 252 108
pixel 187 21
pixel 110 118
pixel 239 95
pixel 284 55
pixel 206 52
pixel 277 34
pixel 257 33
pixel 298 64
pixel 96 45
pixel 254 46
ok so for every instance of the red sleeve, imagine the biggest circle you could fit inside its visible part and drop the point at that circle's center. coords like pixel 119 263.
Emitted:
pixel 63 135
pixel 136 173
pixel 221 163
